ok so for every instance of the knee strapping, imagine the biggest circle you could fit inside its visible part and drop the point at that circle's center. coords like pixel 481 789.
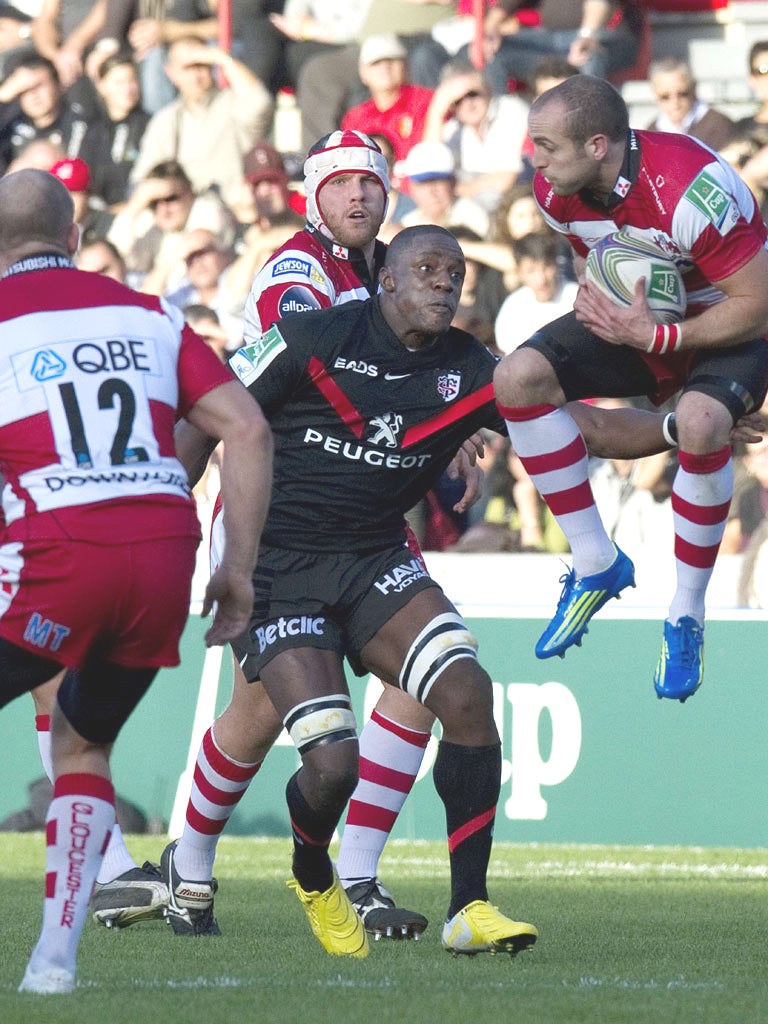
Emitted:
pixel 440 643
pixel 322 720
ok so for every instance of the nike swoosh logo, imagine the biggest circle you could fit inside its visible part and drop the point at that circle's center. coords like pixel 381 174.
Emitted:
pixel 396 376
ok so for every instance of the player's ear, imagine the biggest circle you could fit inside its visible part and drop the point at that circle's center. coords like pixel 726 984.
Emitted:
pixel 386 281
pixel 73 239
pixel 597 147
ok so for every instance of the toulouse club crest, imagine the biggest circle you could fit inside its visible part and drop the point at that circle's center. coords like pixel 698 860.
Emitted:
pixel 448 386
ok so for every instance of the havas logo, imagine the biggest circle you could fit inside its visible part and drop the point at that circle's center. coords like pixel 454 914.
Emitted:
pixel 299 625
pixel 402 576
pixel 384 429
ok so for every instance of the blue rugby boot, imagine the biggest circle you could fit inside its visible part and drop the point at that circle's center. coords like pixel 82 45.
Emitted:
pixel 680 670
pixel 579 600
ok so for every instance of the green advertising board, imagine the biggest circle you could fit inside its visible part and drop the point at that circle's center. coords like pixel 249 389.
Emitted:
pixel 589 753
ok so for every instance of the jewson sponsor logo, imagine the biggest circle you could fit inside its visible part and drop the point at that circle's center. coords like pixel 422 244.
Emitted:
pixel 297 299
pixel 292 265
pixel 299 625
pixel 401 577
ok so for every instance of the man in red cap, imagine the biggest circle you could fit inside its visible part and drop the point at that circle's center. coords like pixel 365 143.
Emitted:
pixel 75 175
pixel 264 170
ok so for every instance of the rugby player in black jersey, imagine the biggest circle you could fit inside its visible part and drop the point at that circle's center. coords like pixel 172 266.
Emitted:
pixel 352 455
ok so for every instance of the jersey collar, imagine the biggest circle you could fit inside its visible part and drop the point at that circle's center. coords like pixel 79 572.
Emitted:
pixel 40 261
pixel 354 257
pixel 627 177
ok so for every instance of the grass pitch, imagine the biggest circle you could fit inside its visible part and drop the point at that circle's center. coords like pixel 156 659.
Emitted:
pixel 627 934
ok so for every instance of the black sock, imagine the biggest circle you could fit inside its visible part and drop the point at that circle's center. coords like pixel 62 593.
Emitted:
pixel 468 781
pixel 312 835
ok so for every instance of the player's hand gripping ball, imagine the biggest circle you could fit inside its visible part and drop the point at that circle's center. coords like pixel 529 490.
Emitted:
pixel 619 259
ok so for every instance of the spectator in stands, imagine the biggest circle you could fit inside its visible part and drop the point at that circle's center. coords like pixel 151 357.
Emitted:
pixel 597 36
pixel 15 35
pixel 516 215
pixel 485 132
pixel 148 230
pixel 257 42
pixel 749 506
pixel 482 293
pixel 431 173
pixel 205 322
pixel 206 282
pixel 400 202
pixel 207 129
pixel 753 579
pixel 33 106
pixel 92 219
pixel 413 23
pixel 147 35
pixel 543 295
pixel 679 109
pixel 756 125
pixel 397 108
pixel 63 31
pixel 39 153
pixel 322 49
pixel 113 143
pixel 268 212
pixel 101 257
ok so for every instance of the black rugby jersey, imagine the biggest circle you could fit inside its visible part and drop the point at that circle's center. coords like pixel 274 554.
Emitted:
pixel 362 426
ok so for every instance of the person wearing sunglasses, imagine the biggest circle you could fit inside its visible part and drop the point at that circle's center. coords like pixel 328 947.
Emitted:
pixel 485 132
pixel 679 110
pixel 150 229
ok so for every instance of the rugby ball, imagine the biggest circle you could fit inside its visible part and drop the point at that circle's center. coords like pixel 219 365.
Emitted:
pixel 619 259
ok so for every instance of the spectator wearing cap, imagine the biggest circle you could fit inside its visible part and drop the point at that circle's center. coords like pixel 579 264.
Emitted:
pixel 264 172
pixel 486 133
pixel 92 219
pixel 33 106
pixel 431 175
pixel 15 34
pixel 207 129
pixel 269 213
pixel 113 143
pixel 397 108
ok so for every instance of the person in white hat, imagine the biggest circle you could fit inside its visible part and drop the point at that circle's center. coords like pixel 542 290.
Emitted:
pixel 430 171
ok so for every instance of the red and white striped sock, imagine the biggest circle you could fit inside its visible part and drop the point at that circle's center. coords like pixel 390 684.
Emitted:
pixel 390 758
pixel 218 785
pixel 117 860
pixel 552 451
pixel 77 828
pixel 701 497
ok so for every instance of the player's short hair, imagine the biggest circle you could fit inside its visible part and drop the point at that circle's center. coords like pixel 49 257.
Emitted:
pixel 591 105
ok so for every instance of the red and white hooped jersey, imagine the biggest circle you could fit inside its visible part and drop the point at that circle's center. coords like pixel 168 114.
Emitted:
pixel 308 272
pixel 679 194
pixel 92 379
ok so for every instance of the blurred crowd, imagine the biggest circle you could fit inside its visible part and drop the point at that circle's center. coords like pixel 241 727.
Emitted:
pixel 167 144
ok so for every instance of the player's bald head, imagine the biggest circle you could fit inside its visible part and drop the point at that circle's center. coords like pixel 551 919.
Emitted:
pixel 36 213
pixel 417 237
